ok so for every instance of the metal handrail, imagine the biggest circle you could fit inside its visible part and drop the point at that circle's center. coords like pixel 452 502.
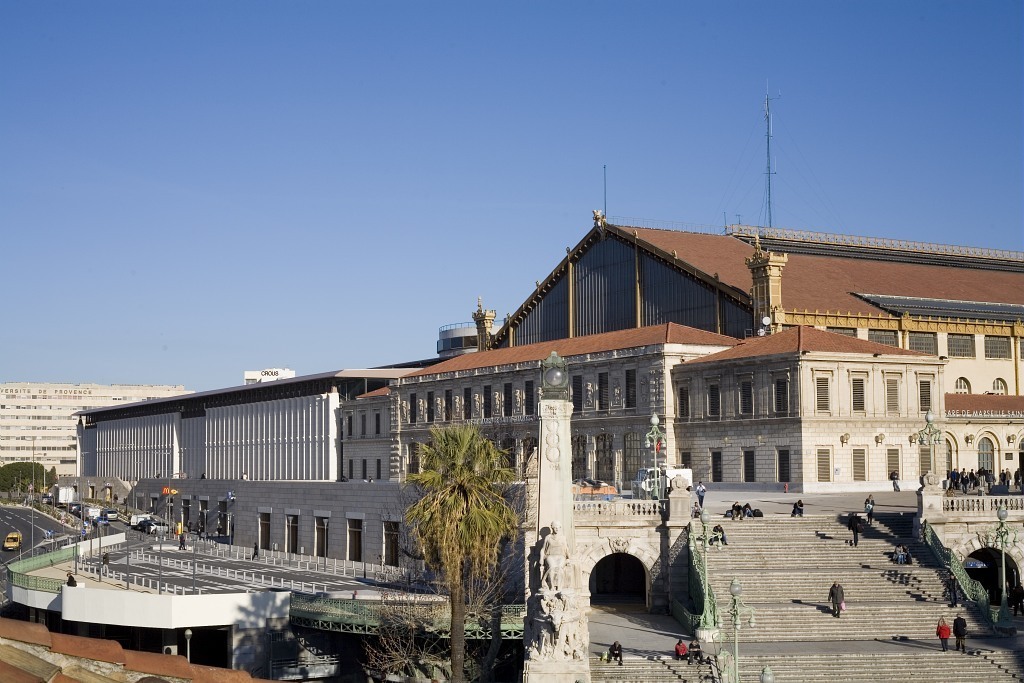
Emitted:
pixel 699 584
pixel 974 590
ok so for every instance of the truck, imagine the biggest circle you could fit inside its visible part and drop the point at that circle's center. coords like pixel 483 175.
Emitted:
pixel 649 487
pixel 62 495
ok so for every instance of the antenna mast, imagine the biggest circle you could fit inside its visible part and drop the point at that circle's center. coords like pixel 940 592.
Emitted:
pixel 606 191
pixel 768 154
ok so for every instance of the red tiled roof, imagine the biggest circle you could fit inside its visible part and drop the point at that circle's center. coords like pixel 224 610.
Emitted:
pixel 803 339
pixel 668 333
pixel 24 632
pixel 157 664
pixel 984 402
pixel 820 283
pixel 88 648
pixel 383 391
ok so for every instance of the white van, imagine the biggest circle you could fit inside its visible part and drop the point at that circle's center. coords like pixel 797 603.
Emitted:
pixel 646 486
pixel 135 519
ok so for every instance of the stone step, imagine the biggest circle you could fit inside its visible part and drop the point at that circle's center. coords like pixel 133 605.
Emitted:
pixel 931 664
pixel 655 670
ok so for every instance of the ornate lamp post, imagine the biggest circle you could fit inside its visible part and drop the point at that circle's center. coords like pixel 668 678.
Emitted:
pixel 738 610
pixel 930 436
pixel 709 616
pixel 1003 536
pixel 655 439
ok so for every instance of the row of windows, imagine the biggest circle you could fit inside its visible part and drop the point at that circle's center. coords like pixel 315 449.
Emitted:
pixel 957 345
pixel 823 464
pixel 745 398
pixel 963 386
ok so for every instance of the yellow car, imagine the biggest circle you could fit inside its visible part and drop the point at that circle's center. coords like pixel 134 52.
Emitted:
pixel 13 541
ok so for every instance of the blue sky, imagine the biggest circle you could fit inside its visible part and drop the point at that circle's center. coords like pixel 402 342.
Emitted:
pixel 193 189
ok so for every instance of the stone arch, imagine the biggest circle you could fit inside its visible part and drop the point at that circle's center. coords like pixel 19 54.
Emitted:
pixel 1014 553
pixel 648 556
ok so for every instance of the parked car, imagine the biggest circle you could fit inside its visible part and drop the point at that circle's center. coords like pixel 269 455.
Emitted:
pixel 110 514
pixel 13 541
pixel 136 520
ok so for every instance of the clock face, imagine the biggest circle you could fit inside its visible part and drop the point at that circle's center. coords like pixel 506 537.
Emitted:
pixel 554 377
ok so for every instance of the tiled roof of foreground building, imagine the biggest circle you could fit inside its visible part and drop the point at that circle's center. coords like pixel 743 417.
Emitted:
pixel 668 333
pixel 985 404
pixel 29 653
pixel 830 283
pixel 803 339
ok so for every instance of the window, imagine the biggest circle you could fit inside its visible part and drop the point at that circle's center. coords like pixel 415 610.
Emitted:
pixel 887 337
pixel 925 342
pixel 449 400
pixel 924 395
pixel 822 402
pixel 355 540
pixel 714 401
pixel 857 399
pixel 362 424
pixel 684 402
pixel 949 455
pixel 530 400
pixel 320 530
pixel 414 460
pixel 892 395
pixel 860 464
pixel 291 533
pixel 997 347
pixel 631 388
pixel 378 468
pixel 414 409
pixel 783 465
pixel 781 396
pixel 508 400
pixel 351 469
pixel 962 386
pixel 391 544
pixel 845 331
pixel 986 453
pixel 376 423
pixel 685 460
pixel 824 464
pixel 960 345
pixel 602 391
pixel 579 457
pixel 749 466
pixel 488 401
pixel 999 386
pixel 716 466
pixel 747 398
pixel 364 468
pixel 632 455
pixel 348 425
pixel 430 406
pixel 577 393
pixel 467 403
pixel 604 466
pixel 924 459
pixel 892 461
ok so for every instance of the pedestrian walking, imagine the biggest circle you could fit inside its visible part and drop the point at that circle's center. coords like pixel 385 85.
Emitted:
pixel 869 509
pixel 106 564
pixel 895 477
pixel 181 541
pixel 942 631
pixel 837 598
pixel 953 588
pixel 256 551
pixel 854 526
pixel 701 490
pixel 960 632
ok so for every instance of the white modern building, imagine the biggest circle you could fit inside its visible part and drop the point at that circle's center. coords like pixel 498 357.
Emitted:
pixel 267 375
pixel 37 420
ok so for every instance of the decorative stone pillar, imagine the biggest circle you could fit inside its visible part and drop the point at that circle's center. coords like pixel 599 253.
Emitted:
pixel 556 634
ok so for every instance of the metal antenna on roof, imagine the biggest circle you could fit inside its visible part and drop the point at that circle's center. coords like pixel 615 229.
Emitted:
pixel 768 150
pixel 605 191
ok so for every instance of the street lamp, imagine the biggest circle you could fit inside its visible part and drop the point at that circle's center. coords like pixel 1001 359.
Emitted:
pixel 930 436
pixel 739 610
pixel 1003 535
pixel 188 645
pixel 655 439
pixel 709 616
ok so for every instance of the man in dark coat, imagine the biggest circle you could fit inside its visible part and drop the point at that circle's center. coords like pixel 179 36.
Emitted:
pixel 836 597
pixel 960 632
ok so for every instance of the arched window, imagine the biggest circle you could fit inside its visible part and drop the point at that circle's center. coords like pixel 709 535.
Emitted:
pixel 986 453
pixel 999 386
pixel 962 386
pixel 949 455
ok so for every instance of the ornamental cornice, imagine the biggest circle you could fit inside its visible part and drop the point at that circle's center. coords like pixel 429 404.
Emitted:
pixel 906 323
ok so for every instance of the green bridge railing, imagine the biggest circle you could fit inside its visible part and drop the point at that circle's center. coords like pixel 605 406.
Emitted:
pixel 18 572
pixel 366 617
pixel 973 589
pixel 706 611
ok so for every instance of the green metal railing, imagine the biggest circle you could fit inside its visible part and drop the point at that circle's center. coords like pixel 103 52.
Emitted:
pixel 700 586
pixel 974 590
pixel 18 572
pixel 366 617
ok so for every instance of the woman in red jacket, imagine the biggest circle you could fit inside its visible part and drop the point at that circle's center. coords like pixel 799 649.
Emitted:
pixel 942 631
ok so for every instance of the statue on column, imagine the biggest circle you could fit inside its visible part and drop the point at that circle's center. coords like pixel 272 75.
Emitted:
pixel 554 633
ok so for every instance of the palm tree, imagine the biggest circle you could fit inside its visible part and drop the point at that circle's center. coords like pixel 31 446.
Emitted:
pixel 461 517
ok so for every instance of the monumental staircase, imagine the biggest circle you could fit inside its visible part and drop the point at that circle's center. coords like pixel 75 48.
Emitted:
pixel 786 567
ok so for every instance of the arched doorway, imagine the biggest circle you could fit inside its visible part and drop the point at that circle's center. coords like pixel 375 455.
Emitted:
pixel 619 579
pixel 983 566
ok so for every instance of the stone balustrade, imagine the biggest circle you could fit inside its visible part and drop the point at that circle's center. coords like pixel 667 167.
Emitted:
pixel 981 506
pixel 617 508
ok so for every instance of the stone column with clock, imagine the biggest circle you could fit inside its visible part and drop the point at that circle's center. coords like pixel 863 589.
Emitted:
pixel 556 632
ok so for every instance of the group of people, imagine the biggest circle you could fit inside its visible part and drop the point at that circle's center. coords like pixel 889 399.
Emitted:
pixel 901 554
pixel 738 511
pixel 692 653
pixel 983 480
pixel 958 630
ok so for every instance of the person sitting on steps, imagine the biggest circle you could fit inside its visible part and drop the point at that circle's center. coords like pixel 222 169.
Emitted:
pixel 798 509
